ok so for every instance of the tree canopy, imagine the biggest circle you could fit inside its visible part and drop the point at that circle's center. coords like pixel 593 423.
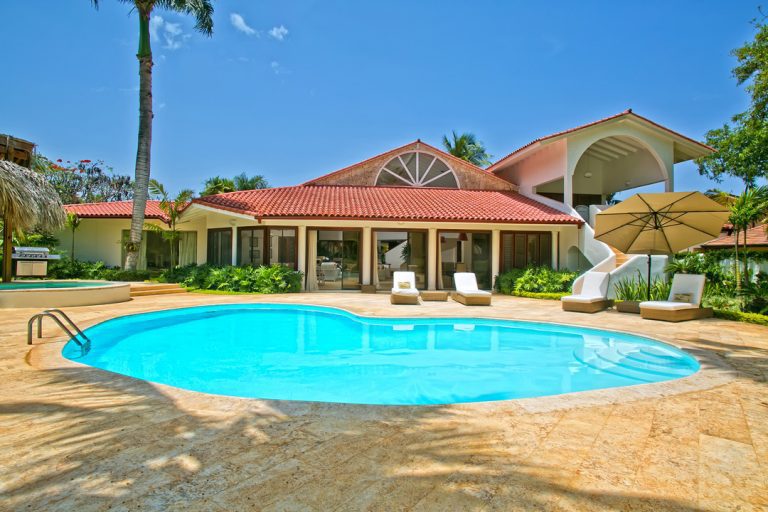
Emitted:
pixel 84 181
pixel 219 185
pixel 742 145
pixel 467 147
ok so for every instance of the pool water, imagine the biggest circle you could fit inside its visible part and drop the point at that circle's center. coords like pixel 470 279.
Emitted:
pixel 314 353
pixel 49 284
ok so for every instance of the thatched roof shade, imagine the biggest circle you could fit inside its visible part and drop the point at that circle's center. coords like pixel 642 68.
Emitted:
pixel 27 200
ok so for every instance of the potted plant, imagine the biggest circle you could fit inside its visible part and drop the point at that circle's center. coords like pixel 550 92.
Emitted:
pixel 631 292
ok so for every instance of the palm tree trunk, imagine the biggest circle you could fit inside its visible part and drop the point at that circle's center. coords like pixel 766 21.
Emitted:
pixel 7 249
pixel 736 259
pixel 143 151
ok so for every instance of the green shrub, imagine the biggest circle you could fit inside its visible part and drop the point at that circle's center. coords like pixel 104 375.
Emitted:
pixel 272 279
pixel 721 302
pixel 535 280
pixel 69 269
pixel 545 296
pixel 738 316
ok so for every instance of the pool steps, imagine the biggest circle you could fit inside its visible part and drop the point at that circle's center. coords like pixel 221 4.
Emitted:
pixel 143 290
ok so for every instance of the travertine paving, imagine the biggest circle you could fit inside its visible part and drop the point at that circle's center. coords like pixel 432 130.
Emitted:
pixel 78 438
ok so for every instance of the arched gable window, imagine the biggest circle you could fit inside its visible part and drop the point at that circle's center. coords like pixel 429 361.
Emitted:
pixel 417 169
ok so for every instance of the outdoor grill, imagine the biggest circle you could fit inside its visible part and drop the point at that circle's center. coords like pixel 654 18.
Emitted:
pixel 32 261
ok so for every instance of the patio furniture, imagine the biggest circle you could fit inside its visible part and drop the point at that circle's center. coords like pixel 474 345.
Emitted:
pixel 434 295
pixel 330 271
pixel 593 296
pixel 467 292
pixel 404 288
pixel 684 302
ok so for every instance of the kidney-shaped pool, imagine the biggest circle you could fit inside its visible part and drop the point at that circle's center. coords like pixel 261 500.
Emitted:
pixel 313 353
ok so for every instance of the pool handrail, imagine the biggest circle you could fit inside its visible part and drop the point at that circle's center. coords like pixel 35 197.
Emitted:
pixel 52 313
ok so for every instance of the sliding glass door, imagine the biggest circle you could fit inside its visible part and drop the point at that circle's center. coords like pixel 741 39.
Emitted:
pixel 258 246
pixel 337 260
pixel 464 251
pixel 399 251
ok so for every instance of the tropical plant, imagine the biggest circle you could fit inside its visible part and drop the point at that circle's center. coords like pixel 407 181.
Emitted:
pixel 217 185
pixel 202 10
pixel 244 182
pixel 535 280
pixel 272 279
pixel 467 147
pixel 749 208
pixel 73 222
pixel 172 209
pixel 84 181
pixel 636 288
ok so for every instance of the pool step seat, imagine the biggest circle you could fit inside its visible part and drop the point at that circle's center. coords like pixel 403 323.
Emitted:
pixel 143 290
pixel 644 365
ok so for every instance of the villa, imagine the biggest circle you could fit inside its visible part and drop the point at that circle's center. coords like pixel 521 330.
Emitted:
pixel 417 208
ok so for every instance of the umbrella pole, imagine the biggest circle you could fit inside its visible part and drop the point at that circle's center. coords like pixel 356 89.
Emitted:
pixel 649 277
pixel 7 249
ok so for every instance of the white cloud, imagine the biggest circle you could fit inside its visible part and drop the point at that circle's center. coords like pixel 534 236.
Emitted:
pixel 239 23
pixel 278 33
pixel 276 67
pixel 171 34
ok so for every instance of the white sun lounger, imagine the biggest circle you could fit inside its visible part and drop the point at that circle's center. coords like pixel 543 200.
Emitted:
pixel 684 302
pixel 404 288
pixel 593 296
pixel 467 292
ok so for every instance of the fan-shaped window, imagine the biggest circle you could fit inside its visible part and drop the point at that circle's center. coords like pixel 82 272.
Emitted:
pixel 417 169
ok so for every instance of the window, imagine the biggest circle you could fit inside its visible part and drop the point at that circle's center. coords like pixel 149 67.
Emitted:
pixel 399 251
pixel 417 169
pixel 220 246
pixel 520 250
pixel 258 246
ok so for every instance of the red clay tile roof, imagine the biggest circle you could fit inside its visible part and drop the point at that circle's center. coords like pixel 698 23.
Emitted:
pixel 115 210
pixel 756 237
pixel 627 112
pixel 388 203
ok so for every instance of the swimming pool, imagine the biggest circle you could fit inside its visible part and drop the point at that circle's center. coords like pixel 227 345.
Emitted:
pixel 314 353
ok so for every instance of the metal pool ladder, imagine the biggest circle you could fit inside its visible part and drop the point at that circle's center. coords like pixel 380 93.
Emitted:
pixel 59 317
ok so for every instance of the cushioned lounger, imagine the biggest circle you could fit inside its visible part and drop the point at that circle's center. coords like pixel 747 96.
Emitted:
pixel 593 295
pixel 467 292
pixel 684 301
pixel 404 288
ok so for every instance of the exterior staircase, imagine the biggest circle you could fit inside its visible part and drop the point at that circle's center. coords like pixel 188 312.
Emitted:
pixel 621 258
pixel 145 289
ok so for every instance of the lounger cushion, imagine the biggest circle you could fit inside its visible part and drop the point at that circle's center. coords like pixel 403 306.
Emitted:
pixel 465 282
pixel 581 298
pixel 688 283
pixel 407 291
pixel 667 305
pixel 473 293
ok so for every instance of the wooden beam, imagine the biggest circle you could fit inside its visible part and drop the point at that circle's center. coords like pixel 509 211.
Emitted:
pixel 7 250
pixel 604 144
pixel 604 152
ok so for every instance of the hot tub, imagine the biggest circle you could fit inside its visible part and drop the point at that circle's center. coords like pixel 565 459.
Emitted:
pixel 54 294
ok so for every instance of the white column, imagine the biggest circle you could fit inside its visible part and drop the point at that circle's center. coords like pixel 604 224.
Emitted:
pixel 432 269
pixel 495 254
pixel 301 243
pixel 669 184
pixel 365 265
pixel 234 245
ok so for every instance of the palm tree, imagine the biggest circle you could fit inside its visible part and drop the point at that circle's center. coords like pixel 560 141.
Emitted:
pixel 467 147
pixel 202 10
pixel 217 185
pixel 245 182
pixel 172 209
pixel 747 210
pixel 73 222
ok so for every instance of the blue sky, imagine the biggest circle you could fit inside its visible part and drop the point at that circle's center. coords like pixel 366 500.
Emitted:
pixel 293 90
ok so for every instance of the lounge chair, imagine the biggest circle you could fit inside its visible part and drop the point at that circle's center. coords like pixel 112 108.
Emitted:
pixel 593 296
pixel 467 291
pixel 684 302
pixel 404 288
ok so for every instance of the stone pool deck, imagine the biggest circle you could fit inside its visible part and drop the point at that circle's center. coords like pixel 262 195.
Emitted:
pixel 78 438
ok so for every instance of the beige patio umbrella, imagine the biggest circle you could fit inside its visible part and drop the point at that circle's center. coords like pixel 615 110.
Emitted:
pixel 27 200
pixel 663 223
